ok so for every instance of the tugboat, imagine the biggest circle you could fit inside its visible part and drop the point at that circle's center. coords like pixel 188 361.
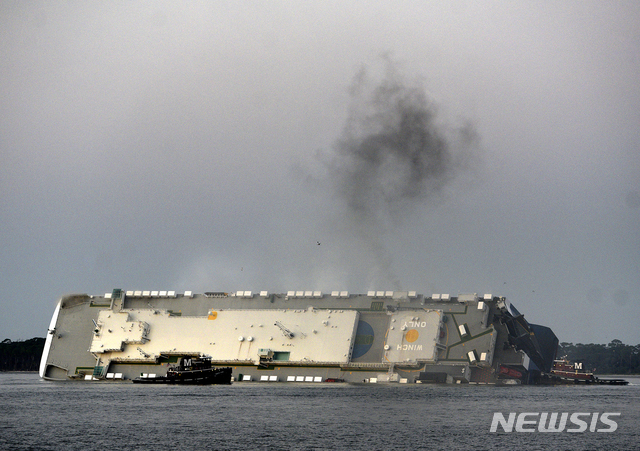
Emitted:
pixel 565 372
pixel 190 370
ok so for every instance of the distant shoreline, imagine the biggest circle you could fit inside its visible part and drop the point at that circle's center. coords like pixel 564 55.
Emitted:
pixel 18 371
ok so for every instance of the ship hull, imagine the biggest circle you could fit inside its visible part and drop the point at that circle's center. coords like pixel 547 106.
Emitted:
pixel 304 336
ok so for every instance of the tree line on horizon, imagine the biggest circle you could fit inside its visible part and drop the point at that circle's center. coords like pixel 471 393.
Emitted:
pixel 21 355
pixel 613 358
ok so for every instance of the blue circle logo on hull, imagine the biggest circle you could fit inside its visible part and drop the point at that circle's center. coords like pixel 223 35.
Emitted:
pixel 364 339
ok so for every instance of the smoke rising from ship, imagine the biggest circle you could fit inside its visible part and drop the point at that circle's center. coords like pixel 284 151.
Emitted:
pixel 393 156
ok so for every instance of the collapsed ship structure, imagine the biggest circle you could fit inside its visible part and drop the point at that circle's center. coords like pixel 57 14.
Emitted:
pixel 298 336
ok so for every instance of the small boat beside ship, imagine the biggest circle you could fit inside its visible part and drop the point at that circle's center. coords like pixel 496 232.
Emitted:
pixel 190 371
pixel 566 372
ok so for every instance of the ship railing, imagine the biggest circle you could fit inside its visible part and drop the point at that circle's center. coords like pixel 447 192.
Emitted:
pixel 233 362
pixel 283 363
pixel 365 365
pixel 149 361
pixel 305 363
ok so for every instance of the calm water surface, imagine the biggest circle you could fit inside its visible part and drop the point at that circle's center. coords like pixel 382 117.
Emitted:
pixel 39 415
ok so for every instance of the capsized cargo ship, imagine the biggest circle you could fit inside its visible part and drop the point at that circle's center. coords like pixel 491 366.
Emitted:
pixel 298 336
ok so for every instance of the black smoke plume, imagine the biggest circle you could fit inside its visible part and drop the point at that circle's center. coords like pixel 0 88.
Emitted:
pixel 394 153
pixel 394 156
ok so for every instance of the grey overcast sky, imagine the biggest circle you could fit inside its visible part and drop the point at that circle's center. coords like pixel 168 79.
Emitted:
pixel 209 146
